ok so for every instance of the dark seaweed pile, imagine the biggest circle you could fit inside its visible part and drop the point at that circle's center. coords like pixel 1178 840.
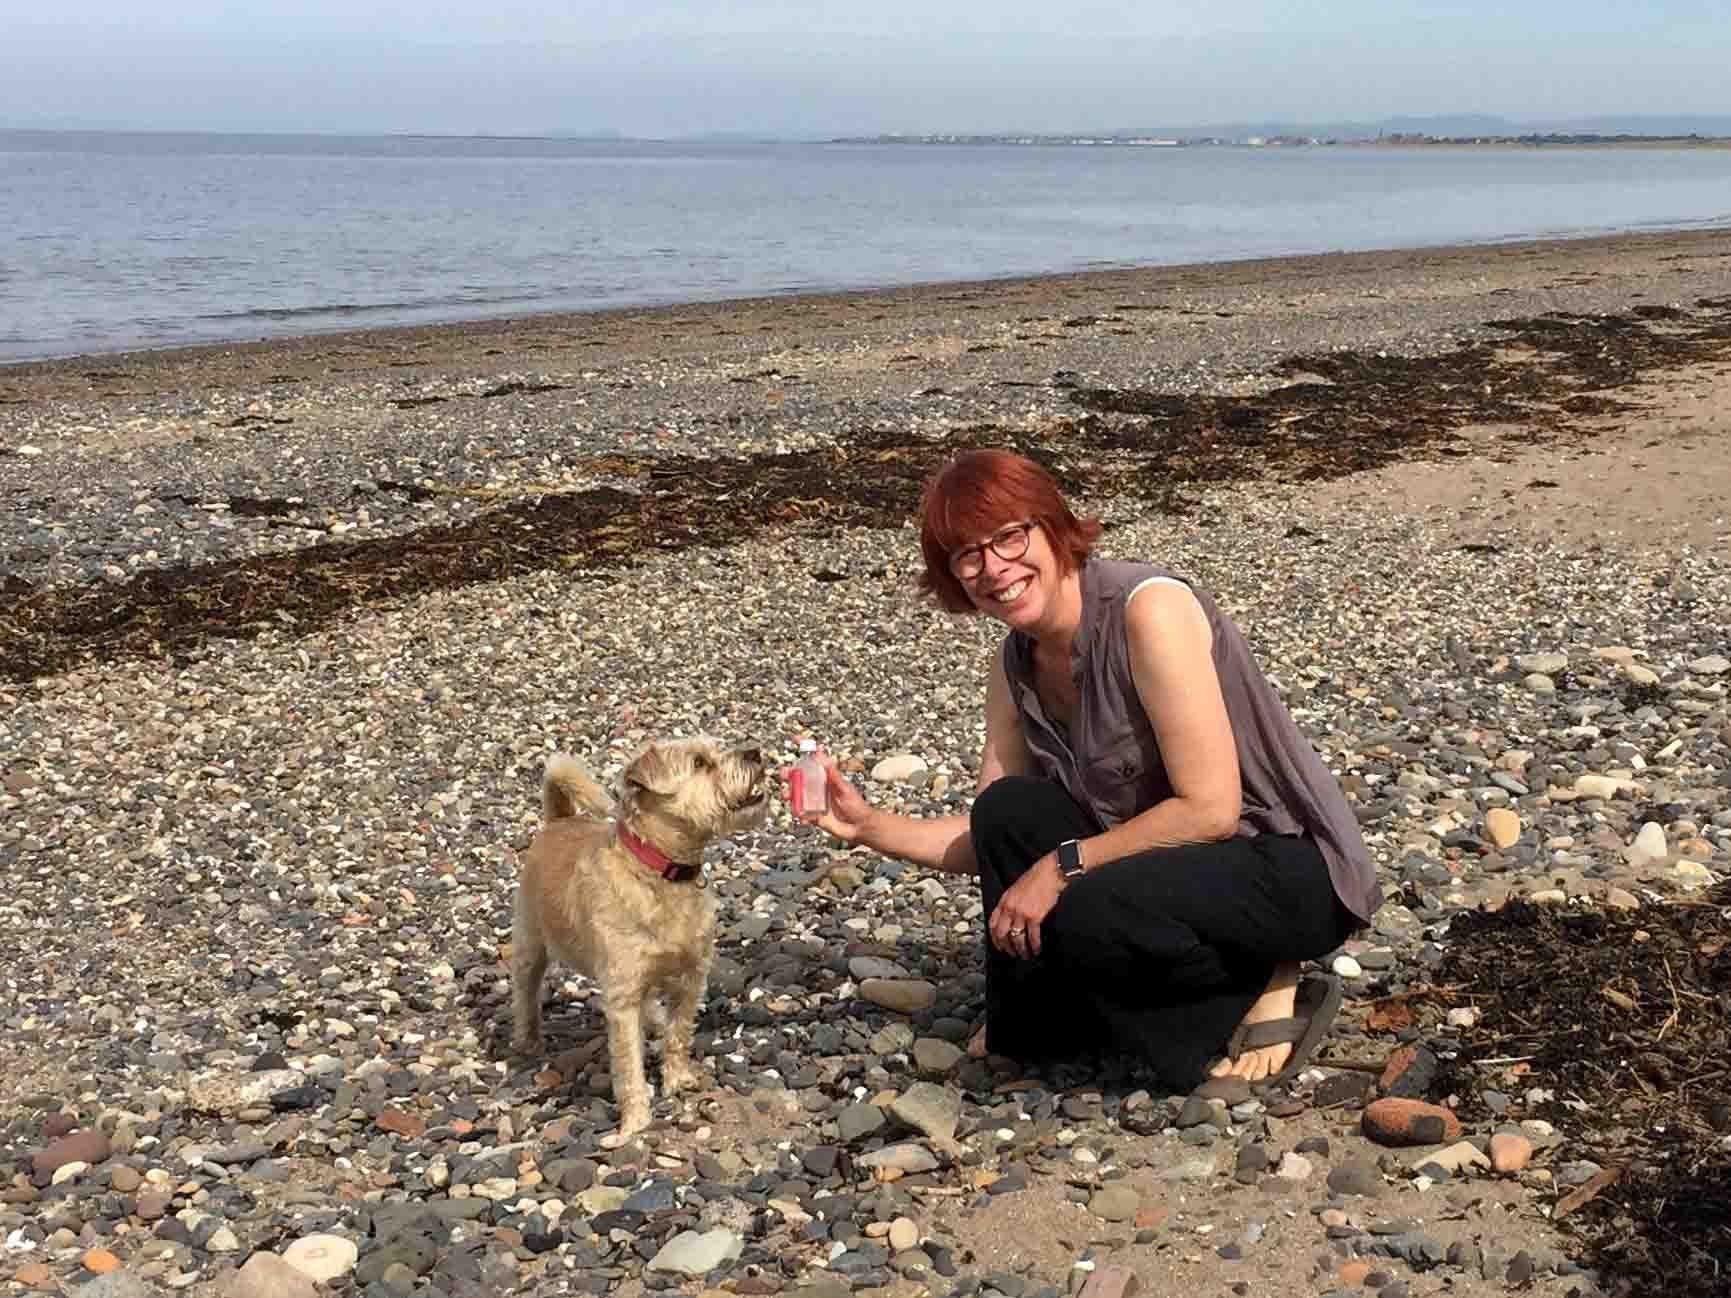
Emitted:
pixel 1345 412
pixel 1626 1019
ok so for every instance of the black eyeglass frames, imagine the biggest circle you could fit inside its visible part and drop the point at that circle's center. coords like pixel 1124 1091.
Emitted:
pixel 1007 543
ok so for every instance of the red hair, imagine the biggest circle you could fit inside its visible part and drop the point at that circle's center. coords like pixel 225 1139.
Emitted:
pixel 981 491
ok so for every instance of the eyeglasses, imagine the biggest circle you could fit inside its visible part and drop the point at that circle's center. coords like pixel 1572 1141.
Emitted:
pixel 1007 543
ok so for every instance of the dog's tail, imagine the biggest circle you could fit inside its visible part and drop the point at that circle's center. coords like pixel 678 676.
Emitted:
pixel 567 789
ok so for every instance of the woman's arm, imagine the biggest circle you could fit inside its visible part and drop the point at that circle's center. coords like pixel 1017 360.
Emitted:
pixel 943 843
pixel 1172 664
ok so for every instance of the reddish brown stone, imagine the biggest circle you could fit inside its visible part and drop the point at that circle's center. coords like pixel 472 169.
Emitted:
pixel 56 1125
pixel 99 1261
pixel 1152 1217
pixel 1409 1073
pixel 1409 1122
pixel 402 1123
pixel 1111 1282
pixel 1510 1152
pixel 86 1146
pixel 1353 1273
pixel 35 1275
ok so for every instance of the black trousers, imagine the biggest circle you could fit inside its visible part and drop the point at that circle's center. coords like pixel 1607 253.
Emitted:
pixel 1158 954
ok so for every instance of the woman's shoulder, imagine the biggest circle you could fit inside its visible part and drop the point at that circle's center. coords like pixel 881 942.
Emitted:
pixel 1111 582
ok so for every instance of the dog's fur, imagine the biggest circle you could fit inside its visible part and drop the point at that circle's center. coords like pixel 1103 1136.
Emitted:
pixel 586 899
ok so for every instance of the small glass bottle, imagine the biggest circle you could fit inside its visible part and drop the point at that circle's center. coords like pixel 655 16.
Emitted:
pixel 808 783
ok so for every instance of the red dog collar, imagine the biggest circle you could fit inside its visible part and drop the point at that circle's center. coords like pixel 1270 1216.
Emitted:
pixel 657 860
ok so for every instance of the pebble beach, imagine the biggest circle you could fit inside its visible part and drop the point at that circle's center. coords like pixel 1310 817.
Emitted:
pixel 288 630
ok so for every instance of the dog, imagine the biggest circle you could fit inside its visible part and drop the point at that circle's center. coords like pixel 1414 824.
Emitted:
pixel 615 889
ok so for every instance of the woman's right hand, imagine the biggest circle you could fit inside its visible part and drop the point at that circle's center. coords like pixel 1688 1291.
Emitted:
pixel 848 810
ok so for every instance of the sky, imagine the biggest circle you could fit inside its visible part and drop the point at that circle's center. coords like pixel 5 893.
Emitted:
pixel 805 68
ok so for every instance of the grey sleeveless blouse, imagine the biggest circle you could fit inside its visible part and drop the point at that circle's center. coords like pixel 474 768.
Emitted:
pixel 1111 765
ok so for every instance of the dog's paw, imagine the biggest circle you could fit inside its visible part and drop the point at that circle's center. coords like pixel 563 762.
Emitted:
pixel 676 1077
pixel 631 1122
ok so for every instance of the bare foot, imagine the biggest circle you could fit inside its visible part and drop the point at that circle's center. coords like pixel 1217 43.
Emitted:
pixel 1277 1002
pixel 977 1043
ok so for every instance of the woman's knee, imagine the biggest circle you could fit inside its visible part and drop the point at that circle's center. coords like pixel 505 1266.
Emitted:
pixel 1004 803
pixel 1023 816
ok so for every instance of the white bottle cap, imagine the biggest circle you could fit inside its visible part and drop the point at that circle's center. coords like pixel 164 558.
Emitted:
pixel 808 745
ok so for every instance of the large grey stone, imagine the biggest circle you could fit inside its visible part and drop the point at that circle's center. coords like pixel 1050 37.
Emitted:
pixel 906 1157
pixel 930 1110
pixel 691 1253
pixel 219 1090
pixel 116 1284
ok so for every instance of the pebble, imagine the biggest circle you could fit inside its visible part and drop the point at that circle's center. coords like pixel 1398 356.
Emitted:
pixel 1457 1157
pixel 935 1057
pixel 902 1158
pixel 1409 1073
pixel 322 1258
pixel 1409 1122
pixel 265 1275
pixel 99 1261
pixel 696 1253
pixel 1510 1151
pixel 1355 1178
pixel 931 1110
pixel 902 768
pixel 1293 1167
pixel 1503 827
pixel 86 1147
pixel 222 1091
pixel 1649 845
pixel 1115 1203
pixel 904 995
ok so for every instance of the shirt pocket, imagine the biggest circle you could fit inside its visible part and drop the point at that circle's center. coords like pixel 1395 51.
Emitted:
pixel 1117 781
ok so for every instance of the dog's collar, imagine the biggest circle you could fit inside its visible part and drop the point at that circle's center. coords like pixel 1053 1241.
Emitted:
pixel 657 860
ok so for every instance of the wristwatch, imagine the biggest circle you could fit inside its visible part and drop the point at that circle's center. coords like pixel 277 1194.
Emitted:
pixel 1070 859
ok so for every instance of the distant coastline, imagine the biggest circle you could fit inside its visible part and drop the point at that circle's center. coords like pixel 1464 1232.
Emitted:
pixel 1399 140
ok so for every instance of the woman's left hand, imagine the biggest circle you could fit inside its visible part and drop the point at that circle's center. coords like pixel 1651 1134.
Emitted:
pixel 1015 923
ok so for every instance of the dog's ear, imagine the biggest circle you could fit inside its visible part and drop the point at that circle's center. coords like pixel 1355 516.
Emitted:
pixel 651 771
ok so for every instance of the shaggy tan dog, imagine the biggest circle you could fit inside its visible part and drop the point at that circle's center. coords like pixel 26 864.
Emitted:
pixel 622 900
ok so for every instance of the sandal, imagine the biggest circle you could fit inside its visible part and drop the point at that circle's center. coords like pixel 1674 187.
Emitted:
pixel 1317 1005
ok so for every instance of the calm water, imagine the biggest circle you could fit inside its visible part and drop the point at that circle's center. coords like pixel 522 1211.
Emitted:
pixel 113 241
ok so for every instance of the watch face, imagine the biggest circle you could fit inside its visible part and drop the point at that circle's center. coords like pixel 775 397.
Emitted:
pixel 1070 858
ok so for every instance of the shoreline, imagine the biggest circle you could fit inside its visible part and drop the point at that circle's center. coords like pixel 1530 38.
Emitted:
pixel 1142 279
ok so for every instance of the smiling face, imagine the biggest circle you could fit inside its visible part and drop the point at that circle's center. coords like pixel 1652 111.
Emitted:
pixel 1024 590
pixel 998 496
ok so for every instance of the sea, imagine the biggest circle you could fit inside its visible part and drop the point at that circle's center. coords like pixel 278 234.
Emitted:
pixel 121 241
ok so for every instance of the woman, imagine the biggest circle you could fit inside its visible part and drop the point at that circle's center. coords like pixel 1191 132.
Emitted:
pixel 1158 845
